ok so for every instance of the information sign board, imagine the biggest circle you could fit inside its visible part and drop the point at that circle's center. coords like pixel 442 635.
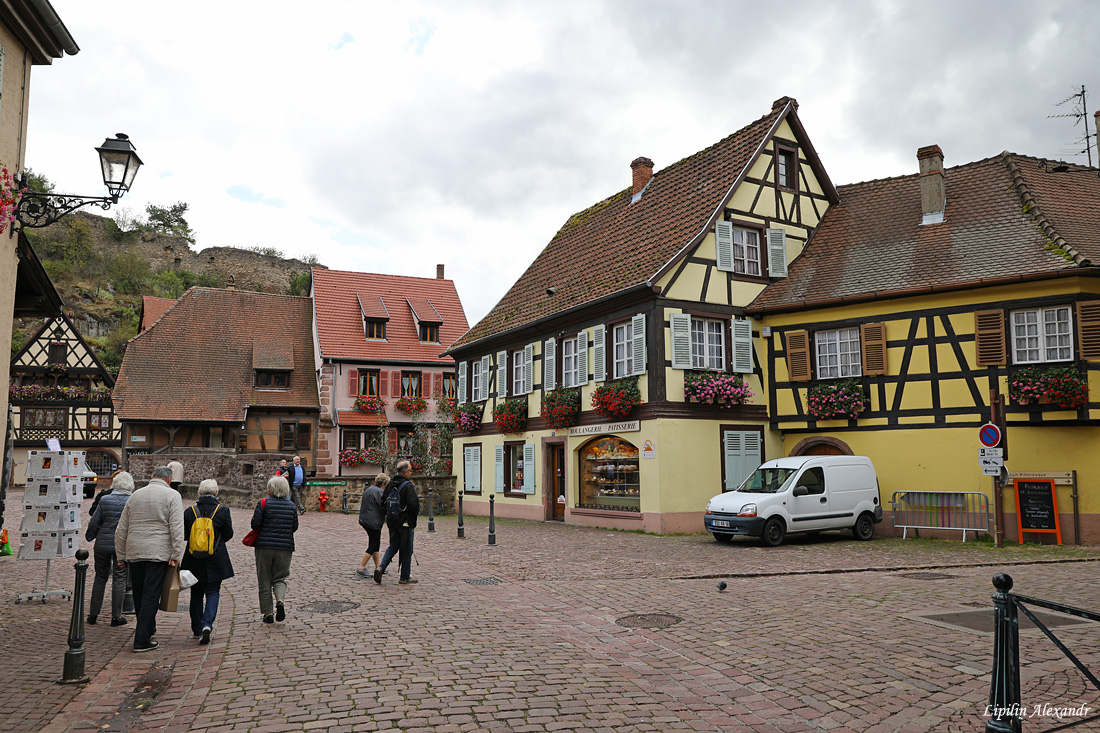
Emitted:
pixel 1037 507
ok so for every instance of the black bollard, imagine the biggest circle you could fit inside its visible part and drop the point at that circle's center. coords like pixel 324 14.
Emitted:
pixel 1004 683
pixel 492 521
pixel 431 510
pixel 344 502
pixel 74 658
pixel 461 527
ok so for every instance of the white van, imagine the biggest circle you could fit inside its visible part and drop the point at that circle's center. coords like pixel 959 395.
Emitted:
pixel 799 494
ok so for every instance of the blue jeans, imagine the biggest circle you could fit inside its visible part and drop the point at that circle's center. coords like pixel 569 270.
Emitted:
pixel 147 577
pixel 401 541
pixel 203 617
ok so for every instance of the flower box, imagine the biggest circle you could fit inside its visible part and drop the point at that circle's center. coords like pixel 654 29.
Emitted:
pixel 370 403
pixel 1063 387
pixel 842 400
pixel 467 417
pixel 716 388
pixel 615 400
pixel 560 407
pixel 412 405
pixel 510 416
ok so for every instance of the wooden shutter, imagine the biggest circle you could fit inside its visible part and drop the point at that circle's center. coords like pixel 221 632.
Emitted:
pixel 528 468
pixel 599 354
pixel 679 326
pixel 471 468
pixel 741 456
pixel 798 356
pixel 549 365
pixel 391 440
pixel 777 252
pixel 353 382
pixel 483 393
pixel 741 342
pixel 498 468
pixel 1088 329
pixel 437 385
pixel 461 396
pixel 989 338
pixel 395 384
pixel 723 244
pixel 502 374
pixel 528 368
pixel 383 384
pixel 637 327
pixel 873 341
pixel 582 357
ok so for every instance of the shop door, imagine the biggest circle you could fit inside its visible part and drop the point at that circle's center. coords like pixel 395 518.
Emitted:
pixel 557 481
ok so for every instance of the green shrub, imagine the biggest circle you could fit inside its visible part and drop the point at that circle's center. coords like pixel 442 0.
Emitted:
pixel 129 273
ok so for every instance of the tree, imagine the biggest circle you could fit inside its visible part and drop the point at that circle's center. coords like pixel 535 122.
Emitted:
pixel 38 183
pixel 299 284
pixel 169 220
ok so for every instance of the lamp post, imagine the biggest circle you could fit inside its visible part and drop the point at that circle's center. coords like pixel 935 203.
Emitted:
pixel 119 161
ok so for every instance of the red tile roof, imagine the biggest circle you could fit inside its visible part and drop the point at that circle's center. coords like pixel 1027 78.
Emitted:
pixel 1004 218
pixel 338 293
pixel 152 309
pixel 617 243
pixel 372 306
pixel 423 309
pixel 355 418
pixel 196 362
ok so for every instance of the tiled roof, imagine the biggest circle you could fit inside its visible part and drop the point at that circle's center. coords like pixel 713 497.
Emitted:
pixel 424 310
pixel 152 309
pixel 355 418
pixel 196 362
pixel 617 244
pixel 1004 218
pixel 373 306
pixel 337 294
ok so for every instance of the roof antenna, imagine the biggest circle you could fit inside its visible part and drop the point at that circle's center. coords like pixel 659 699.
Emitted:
pixel 1080 112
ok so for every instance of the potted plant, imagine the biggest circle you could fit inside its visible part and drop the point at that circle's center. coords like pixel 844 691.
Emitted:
pixel 716 388
pixel 615 400
pixel 510 416
pixel 467 417
pixel 412 405
pixel 836 400
pixel 560 407
pixel 370 403
pixel 1063 387
pixel 9 198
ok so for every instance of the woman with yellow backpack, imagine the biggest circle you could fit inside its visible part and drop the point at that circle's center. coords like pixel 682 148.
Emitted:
pixel 207 527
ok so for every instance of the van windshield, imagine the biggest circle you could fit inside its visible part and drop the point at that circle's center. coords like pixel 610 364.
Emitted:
pixel 767 480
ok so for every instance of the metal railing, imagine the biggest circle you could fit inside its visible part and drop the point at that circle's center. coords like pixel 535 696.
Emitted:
pixel 966 511
pixel 1006 709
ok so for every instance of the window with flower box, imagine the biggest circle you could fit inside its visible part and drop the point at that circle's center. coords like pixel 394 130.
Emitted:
pixel 708 344
pixel 623 348
pixel 45 417
pixel 369 382
pixel 1042 335
pixel 449 390
pixel 411 384
pixel 518 366
pixel 99 421
pixel 476 379
pixel 569 362
pixel 838 354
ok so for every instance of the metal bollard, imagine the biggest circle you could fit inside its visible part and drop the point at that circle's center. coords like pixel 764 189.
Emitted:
pixel 74 658
pixel 1004 683
pixel 431 511
pixel 461 527
pixel 344 502
pixel 492 521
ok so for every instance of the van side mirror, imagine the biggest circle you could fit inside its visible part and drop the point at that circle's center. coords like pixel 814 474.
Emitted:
pixel 800 491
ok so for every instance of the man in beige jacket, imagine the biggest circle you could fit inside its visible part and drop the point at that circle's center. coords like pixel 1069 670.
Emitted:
pixel 149 539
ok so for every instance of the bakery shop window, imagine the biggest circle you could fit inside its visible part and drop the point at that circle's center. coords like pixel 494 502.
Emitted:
pixel 609 475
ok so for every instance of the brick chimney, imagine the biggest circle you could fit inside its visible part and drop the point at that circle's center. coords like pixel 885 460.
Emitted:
pixel 933 196
pixel 643 171
pixel 439 272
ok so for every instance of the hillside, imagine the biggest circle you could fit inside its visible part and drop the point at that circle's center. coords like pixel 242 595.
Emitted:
pixel 102 273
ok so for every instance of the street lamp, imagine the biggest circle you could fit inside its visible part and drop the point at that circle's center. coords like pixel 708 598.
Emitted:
pixel 120 163
pixel 1063 167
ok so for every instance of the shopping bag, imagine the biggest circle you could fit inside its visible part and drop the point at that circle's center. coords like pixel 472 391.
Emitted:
pixel 170 591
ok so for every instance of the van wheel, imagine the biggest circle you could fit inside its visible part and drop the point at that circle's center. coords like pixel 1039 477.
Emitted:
pixel 864 528
pixel 773 533
pixel 722 537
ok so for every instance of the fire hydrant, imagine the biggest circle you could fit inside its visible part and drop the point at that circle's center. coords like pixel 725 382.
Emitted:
pixel 322 499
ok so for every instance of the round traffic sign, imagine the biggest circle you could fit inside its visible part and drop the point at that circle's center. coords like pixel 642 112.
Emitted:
pixel 989 435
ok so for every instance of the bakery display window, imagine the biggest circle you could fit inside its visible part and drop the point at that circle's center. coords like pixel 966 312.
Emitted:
pixel 609 475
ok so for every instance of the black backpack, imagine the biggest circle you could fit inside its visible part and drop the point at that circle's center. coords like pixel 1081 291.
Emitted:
pixel 395 510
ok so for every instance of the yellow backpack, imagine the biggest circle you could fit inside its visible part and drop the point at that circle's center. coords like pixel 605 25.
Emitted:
pixel 203 540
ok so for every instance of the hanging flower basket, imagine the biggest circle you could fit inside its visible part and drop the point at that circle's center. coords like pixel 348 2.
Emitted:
pixel 835 401
pixel 510 416
pixel 9 199
pixel 716 388
pixel 615 400
pixel 561 407
pixel 370 403
pixel 1062 387
pixel 412 405
pixel 467 417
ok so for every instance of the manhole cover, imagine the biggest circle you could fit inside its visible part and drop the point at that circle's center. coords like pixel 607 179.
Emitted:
pixel 927 576
pixel 983 620
pixel 648 621
pixel 484 581
pixel 329 606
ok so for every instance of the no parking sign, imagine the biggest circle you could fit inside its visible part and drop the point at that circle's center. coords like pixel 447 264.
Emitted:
pixel 989 435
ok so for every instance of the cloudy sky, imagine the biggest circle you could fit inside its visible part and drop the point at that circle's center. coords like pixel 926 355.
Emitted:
pixel 391 136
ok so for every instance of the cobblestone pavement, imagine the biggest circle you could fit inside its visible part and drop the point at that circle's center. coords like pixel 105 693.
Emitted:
pixel 821 634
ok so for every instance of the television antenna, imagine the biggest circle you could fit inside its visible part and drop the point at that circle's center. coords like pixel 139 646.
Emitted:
pixel 1080 112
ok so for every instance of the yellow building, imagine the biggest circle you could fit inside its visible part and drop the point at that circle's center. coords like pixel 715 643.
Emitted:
pixel 645 293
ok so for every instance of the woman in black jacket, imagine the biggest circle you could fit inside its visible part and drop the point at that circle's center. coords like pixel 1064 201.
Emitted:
pixel 210 571
pixel 276 521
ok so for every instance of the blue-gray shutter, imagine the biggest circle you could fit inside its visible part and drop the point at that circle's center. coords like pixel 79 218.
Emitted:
pixel 528 468
pixel 742 345
pixel 582 357
pixel 723 244
pixel 637 326
pixel 471 468
pixel 777 252
pixel 484 391
pixel 528 369
pixel 679 325
pixel 599 369
pixel 498 468
pixel 502 374
pixel 460 396
pixel 549 365
pixel 741 453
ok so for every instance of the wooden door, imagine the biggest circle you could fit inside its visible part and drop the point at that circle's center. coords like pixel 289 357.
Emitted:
pixel 557 481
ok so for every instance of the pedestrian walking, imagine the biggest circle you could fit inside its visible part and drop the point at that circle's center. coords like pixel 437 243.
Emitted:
pixel 275 520
pixel 296 475
pixel 282 470
pixel 102 528
pixel 149 539
pixel 371 518
pixel 210 570
pixel 177 474
pixel 103 492
pixel 401 529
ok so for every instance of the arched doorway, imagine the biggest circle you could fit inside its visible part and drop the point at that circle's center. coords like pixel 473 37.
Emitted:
pixel 820 445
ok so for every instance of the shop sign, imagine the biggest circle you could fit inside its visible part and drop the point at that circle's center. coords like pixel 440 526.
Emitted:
pixel 1062 478
pixel 326 483
pixel 137 438
pixel 648 451
pixel 632 426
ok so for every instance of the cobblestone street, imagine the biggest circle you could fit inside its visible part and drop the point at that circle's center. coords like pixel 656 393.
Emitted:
pixel 820 634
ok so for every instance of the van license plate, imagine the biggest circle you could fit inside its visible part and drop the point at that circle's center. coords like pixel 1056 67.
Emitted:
pixel 719 523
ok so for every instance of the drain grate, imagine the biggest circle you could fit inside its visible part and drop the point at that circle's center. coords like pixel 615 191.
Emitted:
pixel 483 581
pixel 329 606
pixel 982 621
pixel 648 620
pixel 927 576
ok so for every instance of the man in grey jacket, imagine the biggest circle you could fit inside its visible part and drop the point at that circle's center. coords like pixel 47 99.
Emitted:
pixel 149 539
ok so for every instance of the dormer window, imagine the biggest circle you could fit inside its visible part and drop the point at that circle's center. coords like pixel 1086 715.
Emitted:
pixel 429 333
pixel 272 380
pixel 426 318
pixel 374 329
pixel 375 316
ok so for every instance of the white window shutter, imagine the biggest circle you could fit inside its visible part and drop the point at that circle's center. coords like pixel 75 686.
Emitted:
pixel 502 374
pixel 723 243
pixel 599 369
pixel 637 325
pixel 529 468
pixel 528 368
pixel 582 357
pixel 484 391
pixel 741 452
pixel 460 396
pixel 777 252
pixel 679 324
pixel 742 345
pixel 471 462
pixel 498 468
pixel 549 365
pixel 751 443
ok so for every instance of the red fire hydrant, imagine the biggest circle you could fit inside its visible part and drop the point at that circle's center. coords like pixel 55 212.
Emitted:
pixel 322 499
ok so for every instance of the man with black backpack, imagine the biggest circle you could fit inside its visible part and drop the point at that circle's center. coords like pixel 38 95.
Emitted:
pixel 402 505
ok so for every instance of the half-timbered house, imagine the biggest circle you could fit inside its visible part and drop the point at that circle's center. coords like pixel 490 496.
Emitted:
pixel 919 296
pixel 60 389
pixel 644 290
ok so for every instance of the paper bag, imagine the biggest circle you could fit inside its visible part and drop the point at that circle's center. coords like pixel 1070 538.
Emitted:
pixel 170 591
